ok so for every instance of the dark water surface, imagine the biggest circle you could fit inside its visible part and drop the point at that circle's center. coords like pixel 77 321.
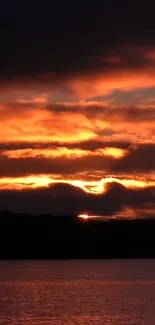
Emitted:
pixel 77 292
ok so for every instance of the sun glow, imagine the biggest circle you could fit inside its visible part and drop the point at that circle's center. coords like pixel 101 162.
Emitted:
pixel 83 216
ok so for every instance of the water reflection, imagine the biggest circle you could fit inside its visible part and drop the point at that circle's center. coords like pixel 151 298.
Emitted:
pixel 77 292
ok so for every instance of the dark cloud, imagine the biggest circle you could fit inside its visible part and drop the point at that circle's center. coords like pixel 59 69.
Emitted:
pixel 96 144
pixel 84 145
pixel 92 111
pixel 66 38
pixel 120 114
pixel 16 167
pixel 139 159
pixel 66 199
pixel 135 114
pixel 125 113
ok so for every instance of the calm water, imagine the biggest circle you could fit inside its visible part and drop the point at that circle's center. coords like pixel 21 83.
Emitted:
pixel 77 292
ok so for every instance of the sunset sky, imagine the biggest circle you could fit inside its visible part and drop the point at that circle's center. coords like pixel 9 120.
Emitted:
pixel 77 108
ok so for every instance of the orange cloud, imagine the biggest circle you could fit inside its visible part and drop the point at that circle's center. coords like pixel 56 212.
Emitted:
pixel 94 187
pixel 75 122
pixel 115 152
pixel 42 125
pixel 64 152
pixel 103 84
pixel 37 100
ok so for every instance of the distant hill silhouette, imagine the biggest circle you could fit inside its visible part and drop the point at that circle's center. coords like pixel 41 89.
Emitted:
pixel 24 236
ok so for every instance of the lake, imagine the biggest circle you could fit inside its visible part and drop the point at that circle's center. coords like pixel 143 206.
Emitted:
pixel 94 292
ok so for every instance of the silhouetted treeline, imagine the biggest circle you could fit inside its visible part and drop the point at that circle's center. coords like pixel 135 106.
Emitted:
pixel 25 236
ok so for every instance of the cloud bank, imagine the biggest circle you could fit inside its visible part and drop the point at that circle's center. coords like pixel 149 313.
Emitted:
pixel 77 108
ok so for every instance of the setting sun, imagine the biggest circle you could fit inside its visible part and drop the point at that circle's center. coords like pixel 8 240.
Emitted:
pixel 83 216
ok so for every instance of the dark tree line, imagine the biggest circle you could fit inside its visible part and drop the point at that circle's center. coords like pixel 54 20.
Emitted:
pixel 24 236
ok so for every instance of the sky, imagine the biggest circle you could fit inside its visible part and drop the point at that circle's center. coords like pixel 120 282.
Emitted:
pixel 77 108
